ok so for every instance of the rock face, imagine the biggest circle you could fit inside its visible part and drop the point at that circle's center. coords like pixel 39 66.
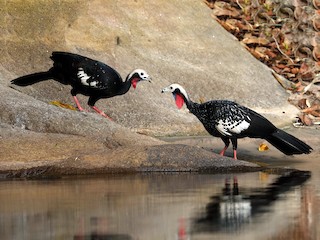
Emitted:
pixel 173 41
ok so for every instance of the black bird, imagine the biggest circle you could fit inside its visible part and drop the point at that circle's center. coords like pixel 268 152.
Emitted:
pixel 86 76
pixel 230 121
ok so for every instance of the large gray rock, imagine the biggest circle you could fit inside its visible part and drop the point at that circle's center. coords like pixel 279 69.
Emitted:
pixel 174 41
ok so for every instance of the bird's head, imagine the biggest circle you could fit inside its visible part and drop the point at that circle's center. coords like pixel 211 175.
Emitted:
pixel 180 95
pixel 138 75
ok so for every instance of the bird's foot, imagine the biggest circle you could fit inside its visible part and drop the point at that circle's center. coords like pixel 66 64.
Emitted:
pixel 223 151
pixel 106 116
pixel 235 155
pixel 83 110
pixel 101 113
pixel 78 104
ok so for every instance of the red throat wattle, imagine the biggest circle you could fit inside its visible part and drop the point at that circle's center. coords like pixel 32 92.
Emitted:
pixel 134 82
pixel 179 100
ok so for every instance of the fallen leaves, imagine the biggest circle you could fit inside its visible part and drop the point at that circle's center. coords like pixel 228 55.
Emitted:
pixel 62 105
pixel 285 36
pixel 263 147
pixel 252 40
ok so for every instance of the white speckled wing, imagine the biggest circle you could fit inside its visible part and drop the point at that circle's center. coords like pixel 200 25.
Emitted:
pixel 85 78
pixel 229 127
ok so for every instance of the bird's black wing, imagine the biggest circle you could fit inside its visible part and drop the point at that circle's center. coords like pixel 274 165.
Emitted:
pixel 97 75
pixel 260 127
pixel 85 71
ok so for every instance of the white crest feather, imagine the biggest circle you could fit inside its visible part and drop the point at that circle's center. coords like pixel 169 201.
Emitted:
pixel 142 74
pixel 173 87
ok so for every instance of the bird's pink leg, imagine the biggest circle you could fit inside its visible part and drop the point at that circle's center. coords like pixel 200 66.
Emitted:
pixel 235 154
pixel 78 103
pixel 234 145
pixel 101 112
pixel 223 150
pixel 226 145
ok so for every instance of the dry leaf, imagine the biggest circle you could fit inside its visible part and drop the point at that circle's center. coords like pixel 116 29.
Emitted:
pixel 263 147
pixel 315 107
pixel 315 113
pixel 223 24
pixel 305 119
pixel 231 23
pixel 287 69
pixel 295 70
pixel 309 76
pixel 260 51
pixel 270 53
pixel 281 66
pixel 62 105
pixel 316 24
pixel 296 87
pixel 221 12
pixel 255 40
pixel 316 53
pixel 302 103
pixel 210 4
pixel 245 27
pixel 316 4
pixel 285 83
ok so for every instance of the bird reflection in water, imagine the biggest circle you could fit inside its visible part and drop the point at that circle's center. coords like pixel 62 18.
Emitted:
pixel 232 210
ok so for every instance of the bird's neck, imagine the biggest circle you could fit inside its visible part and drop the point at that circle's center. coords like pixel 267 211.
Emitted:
pixel 191 105
pixel 125 86
pixel 186 98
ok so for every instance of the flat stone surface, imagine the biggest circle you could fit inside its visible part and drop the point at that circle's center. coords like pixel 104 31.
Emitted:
pixel 34 155
pixel 54 155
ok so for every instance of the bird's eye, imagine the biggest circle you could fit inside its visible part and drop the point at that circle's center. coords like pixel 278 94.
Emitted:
pixel 142 74
pixel 171 87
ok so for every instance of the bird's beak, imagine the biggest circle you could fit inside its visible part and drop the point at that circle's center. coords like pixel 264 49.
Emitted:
pixel 166 89
pixel 146 79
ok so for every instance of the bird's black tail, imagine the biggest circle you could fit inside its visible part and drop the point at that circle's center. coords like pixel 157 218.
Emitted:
pixel 32 78
pixel 287 143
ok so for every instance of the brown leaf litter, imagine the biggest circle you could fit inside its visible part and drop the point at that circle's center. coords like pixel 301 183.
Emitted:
pixel 284 35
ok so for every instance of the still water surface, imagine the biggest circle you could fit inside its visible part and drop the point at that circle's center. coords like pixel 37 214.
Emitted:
pixel 161 206
pixel 172 206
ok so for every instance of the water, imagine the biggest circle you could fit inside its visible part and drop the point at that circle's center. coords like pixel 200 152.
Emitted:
pixel 171 206
pixel 160 206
